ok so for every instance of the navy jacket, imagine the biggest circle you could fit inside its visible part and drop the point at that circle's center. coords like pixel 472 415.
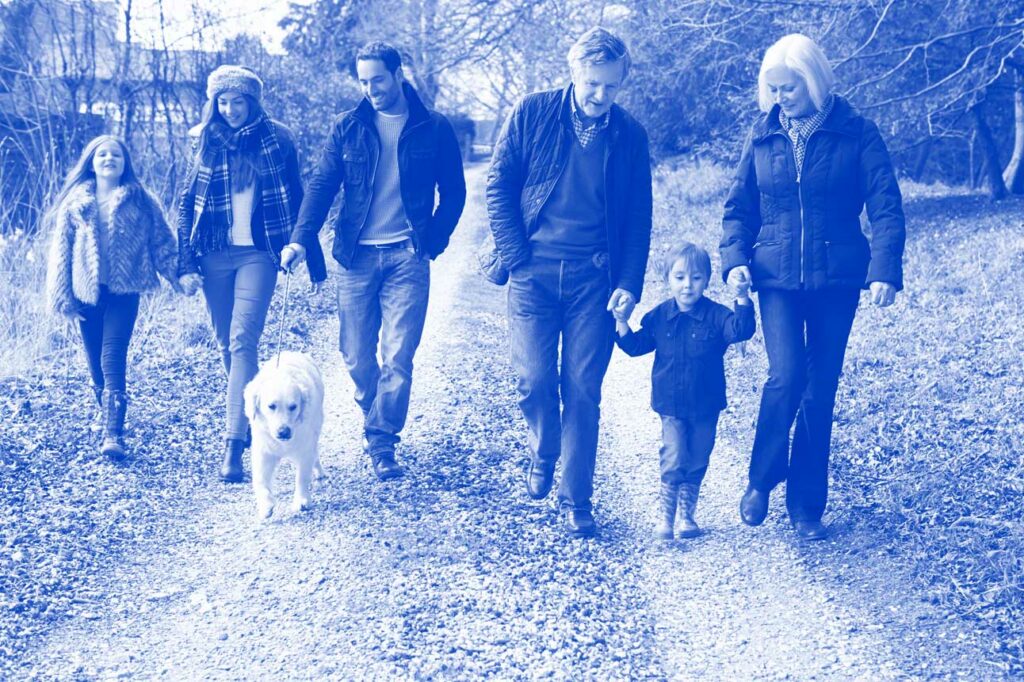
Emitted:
pixel 807 235
pixel 187 261
pixel 428 156
pixel 529 157
pixel 688 378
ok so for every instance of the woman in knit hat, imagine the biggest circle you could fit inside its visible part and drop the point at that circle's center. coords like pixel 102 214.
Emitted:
pixel 241 198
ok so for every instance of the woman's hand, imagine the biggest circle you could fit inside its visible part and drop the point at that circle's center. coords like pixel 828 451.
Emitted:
pixel 882 294
pixel 291 255
pixel 190 283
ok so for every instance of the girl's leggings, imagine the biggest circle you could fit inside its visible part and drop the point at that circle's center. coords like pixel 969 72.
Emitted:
pixel 106 332
pixel 238 283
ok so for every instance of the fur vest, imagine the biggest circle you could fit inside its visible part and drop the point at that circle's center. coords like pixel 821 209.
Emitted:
pixel 140 245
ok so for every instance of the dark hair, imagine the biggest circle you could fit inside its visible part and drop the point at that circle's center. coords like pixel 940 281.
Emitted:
pixel 242 164
pixel 691 254
pixel 381 51
pixel 83 171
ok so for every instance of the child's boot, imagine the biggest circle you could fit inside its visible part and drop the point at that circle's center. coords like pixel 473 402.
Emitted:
pixel 666 510
pixel 115 404
pixel 686 527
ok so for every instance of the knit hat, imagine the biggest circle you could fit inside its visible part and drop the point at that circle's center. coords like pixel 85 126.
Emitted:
pixel 233 77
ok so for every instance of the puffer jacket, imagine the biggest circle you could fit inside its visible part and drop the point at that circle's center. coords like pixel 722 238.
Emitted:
pixel 140 244
pixel 808 235
pixel 188 258
pixel 529 158
pixel 429 157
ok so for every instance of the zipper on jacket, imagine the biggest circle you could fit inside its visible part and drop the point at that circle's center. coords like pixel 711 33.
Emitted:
pixel 800 198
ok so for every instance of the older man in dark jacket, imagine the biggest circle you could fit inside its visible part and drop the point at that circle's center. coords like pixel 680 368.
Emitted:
pixel 569 199
pixel 388 155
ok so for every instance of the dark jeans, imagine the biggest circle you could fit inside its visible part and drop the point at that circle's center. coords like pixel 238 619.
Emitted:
pixel 686 448
pixel 382 294
pixel 106 332
pixel 805 335
pixel 551 300
pixel 238 283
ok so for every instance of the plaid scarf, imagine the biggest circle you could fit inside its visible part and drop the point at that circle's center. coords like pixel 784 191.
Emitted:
pixel 213 185
pixel 800 130
pixel 584 133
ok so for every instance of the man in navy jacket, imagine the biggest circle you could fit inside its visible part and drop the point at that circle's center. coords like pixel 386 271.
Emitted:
pixel 387 156
pixel 569 201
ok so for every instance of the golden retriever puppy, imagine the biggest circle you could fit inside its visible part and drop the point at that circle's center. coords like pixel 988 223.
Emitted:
pixel 284 403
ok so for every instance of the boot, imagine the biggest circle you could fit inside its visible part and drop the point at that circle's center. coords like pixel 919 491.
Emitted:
pixel 231 468
pixel 99 416
pixel 115 404
pixel 686 527
pixel 666 510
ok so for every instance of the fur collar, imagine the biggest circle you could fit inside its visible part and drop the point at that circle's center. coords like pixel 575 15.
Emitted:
pixel 81 200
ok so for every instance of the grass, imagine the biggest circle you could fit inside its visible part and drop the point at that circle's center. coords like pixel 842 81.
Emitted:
pixel 929 435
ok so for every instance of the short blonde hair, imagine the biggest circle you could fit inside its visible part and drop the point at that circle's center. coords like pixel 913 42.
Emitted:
pixel 599 46
pixel 801 54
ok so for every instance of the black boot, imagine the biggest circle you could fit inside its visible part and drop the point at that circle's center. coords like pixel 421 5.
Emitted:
pixel 231 468
pixel 686 527
pixel 115 404
pixel 666 510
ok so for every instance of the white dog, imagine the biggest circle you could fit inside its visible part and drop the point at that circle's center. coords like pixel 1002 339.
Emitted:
pixel 284 403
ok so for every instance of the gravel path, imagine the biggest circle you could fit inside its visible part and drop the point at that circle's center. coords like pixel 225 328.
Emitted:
pixel 452 572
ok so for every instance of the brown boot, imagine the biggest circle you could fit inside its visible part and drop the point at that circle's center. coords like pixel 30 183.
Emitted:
pixel 666 510
pixel 115 404
pixel 231 468
pixel 686 527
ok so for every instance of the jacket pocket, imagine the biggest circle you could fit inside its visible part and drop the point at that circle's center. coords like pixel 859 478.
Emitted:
pixel 846 261
pixel 355 166
pixel 767 260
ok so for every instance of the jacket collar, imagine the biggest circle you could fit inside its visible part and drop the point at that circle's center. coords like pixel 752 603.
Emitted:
pixel 418 111
pixel 697 312
pixel 842 121
pixel 565 110
pixel 81 200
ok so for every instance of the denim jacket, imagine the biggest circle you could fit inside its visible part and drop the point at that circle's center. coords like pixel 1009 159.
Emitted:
pixel 688 379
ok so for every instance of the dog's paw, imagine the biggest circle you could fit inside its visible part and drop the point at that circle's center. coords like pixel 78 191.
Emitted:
pixel 301 505
pixel 264 508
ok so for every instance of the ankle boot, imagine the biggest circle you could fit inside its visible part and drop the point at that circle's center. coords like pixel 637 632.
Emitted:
pixel 686 527
pixel 115 404
pixel 666 510
pixel 231 467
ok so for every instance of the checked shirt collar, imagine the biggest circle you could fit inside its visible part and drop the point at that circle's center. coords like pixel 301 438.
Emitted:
pixel 584 133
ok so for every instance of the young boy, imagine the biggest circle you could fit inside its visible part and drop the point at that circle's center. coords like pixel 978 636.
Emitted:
pixel 689 335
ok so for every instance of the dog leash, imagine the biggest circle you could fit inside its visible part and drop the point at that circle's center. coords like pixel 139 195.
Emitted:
pixel 284 309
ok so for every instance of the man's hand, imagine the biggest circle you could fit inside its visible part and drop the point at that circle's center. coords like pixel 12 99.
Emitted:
pixel 621 304
pixel 291 255
pixel 882 294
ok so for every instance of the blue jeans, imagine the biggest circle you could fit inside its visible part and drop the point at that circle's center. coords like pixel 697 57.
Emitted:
pixel 382 294
pixel 805 335
pixel 238 283
pixel 551 300
pixel 106 332
pixel 686 448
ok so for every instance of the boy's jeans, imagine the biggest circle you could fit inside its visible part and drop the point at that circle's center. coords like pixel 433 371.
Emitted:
pixel 686 448
pixel 384 293
pixel 547 300
pixel 238 283
pixel 805 335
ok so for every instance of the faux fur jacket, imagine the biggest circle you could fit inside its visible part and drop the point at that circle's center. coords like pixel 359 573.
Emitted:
pixel 140 245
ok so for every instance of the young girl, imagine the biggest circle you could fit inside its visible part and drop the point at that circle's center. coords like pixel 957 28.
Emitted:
pixel 240 202
pixel 689 335
pixel 110 239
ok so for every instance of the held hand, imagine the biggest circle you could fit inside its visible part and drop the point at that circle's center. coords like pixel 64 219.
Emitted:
pixel 883 294
pixel 292 255
pixel 190 283
pixel 621 304
pixel 739 279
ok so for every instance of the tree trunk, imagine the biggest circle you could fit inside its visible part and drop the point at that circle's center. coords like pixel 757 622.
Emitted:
pixel 1013 174
pixel 922 159
pixel 995 186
